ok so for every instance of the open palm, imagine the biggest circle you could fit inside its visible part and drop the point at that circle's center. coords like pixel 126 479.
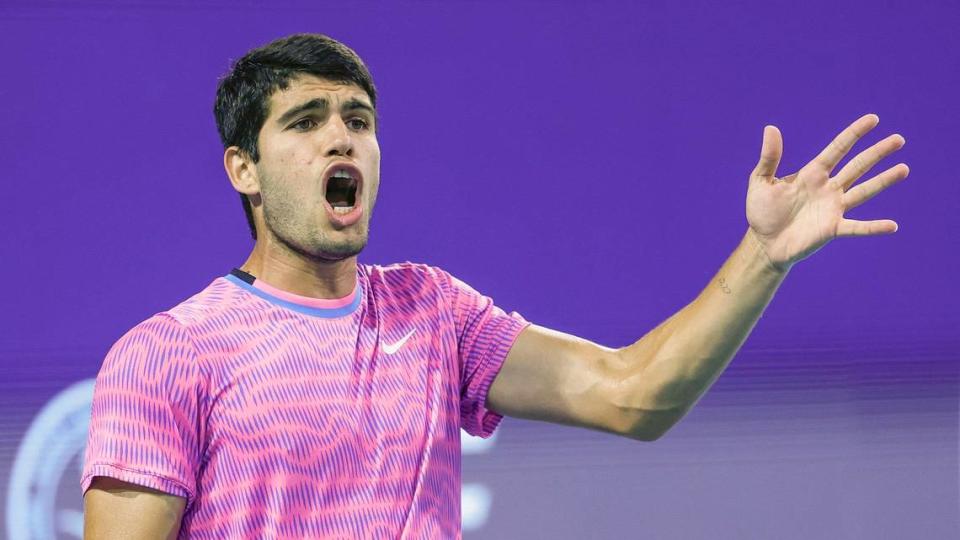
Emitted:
pixel 794 216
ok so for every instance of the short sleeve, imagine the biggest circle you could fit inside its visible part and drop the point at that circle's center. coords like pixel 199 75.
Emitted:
pixel 144 424
pixel 485 334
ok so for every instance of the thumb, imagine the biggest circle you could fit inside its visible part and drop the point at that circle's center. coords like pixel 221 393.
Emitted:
pixel 770 153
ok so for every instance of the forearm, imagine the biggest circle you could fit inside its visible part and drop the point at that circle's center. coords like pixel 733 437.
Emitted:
pixel 671 367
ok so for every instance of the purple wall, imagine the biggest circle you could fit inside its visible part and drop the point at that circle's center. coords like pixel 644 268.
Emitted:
pixel 585 164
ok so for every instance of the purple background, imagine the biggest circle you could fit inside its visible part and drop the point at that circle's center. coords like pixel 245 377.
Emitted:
pixel 582 163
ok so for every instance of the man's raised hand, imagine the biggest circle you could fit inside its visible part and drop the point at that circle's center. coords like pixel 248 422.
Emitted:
pixel 794 216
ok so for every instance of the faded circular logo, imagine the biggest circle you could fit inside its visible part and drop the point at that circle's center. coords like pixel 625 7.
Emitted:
pixel 43 499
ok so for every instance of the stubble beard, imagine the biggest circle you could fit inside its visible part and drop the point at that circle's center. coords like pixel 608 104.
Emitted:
pixel 291 222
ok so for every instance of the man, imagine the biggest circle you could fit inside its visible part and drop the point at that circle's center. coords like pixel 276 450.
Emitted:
pixel 307 395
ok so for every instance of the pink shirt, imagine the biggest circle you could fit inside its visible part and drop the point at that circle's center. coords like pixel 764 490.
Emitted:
pixel 277 415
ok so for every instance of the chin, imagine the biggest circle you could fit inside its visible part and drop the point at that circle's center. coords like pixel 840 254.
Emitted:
pixel 335 257
pixel 341 251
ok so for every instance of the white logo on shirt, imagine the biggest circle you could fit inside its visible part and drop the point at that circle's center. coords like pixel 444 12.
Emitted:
pixel 391 348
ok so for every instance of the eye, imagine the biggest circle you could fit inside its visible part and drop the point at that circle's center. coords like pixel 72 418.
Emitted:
pixel 302 122
pixel 354 123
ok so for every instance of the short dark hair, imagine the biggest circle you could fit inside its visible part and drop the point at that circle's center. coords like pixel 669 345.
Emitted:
pixel 243 94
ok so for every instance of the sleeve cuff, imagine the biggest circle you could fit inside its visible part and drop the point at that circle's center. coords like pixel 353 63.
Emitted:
pixel 483 421
pixel 141 478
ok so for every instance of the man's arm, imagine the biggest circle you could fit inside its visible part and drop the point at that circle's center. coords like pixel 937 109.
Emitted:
pixel 114 509
pixel 560 378
pixel 640 391
pixel 688 352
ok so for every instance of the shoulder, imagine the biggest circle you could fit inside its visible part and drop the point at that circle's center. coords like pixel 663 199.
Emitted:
pixel 158 329
pixel 170 332
pixel 156 356
pixel 214 302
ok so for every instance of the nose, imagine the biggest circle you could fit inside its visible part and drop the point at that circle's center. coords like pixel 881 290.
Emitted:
pixel 340 142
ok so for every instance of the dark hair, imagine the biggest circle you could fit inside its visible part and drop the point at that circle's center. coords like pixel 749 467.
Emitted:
pixel 243 94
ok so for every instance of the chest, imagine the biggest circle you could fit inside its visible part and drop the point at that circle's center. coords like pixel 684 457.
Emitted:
pixel 369 396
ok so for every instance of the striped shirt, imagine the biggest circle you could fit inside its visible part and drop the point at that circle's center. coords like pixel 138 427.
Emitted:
pixel 278 415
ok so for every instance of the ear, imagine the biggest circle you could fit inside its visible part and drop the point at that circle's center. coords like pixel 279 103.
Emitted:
pixel 241 170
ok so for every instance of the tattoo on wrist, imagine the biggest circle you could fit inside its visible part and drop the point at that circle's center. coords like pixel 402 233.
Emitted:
pixel 724 287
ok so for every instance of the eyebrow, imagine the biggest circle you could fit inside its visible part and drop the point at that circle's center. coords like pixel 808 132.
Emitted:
pixel 321 104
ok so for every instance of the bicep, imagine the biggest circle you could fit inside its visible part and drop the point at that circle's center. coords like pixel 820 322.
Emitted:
pixel 556 377
pixel 117 509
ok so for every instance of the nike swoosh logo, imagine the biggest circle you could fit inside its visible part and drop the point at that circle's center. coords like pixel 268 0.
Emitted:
pixel 391 348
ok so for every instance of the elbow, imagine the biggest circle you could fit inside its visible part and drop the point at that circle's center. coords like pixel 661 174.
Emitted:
pixel 647 434
pixel 651 425
pixel 642 437
pixel 645 419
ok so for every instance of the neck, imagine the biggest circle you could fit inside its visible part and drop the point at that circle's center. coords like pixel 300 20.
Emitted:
pixel 296 273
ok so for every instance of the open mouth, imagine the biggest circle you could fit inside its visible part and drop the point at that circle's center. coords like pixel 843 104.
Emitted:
pixel 342 190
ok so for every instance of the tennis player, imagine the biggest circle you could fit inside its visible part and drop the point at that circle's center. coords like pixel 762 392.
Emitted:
pixel 303 394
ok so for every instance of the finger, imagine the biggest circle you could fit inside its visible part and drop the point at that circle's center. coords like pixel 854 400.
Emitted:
pixel 852 227
pixel 770 152
pixel 864 161
pixel 838 147
pixel 865 191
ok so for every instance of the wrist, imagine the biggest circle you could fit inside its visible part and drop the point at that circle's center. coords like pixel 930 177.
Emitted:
pixel 759 251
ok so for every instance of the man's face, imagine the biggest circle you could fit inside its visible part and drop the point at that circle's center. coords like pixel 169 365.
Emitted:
pixel 317 132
